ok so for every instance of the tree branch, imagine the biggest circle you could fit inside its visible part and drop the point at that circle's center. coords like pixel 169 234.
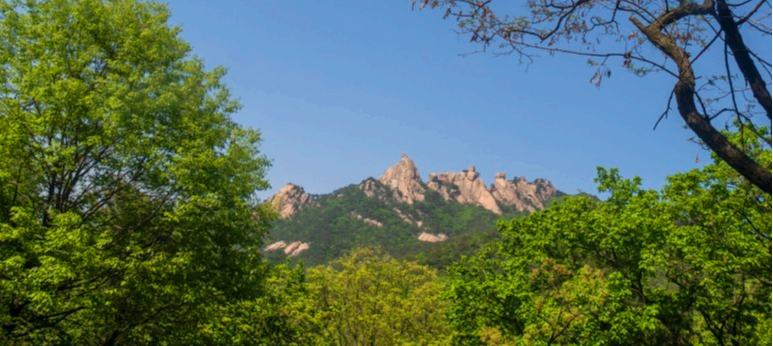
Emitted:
pixel 745 63
pixel 684 94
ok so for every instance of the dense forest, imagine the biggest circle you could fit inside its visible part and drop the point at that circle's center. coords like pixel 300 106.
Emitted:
pixel 129 216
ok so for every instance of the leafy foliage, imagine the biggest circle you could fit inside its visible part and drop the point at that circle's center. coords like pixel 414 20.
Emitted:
pixel 688 265
pixel 128 217
pixel 286 314
pixel 369 298
pixel 127 206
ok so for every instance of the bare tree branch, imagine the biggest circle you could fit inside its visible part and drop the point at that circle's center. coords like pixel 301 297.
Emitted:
pixel 683 34
pixel 741 54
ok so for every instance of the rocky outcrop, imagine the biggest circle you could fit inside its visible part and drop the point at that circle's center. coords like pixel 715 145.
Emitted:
pixel 404 181
pixel 276 246
pixel 290 199
pixel 374 189
pixel 432 238
pixel 367 220
pixel 505 193
pixel 292 249
pixel 522 195
pixel 464 187
pixel 295 248
pixel 544 190
pixel 408 218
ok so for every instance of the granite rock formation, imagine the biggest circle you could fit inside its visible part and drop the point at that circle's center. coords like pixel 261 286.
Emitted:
pixel 404 181
pixel 290 199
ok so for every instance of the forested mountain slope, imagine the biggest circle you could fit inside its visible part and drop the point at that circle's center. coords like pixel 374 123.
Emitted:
pixel 435 222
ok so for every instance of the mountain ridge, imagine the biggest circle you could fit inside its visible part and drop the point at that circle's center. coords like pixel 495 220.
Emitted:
pixel 405 184
pixel 435 221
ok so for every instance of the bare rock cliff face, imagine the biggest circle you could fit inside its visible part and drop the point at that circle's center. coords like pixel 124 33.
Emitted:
pixel 522 195
pixel 373 189
pixel 404 180
pixel 506 193
pixel 465 187
pixel 545 190
pixel 290 199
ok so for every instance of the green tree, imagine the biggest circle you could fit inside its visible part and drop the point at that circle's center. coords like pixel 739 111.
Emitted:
pixel 286 314
pixel 369 298
pixel 127 207
pixel 683 38
pixel 689 265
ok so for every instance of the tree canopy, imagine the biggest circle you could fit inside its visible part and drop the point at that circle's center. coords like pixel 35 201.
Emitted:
pixel 128 213
pixel 688 265
pixel 369 298
pixel 127 200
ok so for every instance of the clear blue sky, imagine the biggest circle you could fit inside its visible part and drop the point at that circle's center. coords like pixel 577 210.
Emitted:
pixel 340 89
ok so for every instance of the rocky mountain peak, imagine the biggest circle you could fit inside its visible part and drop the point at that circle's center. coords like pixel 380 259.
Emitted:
pixel 290 199
pixel 402 183
pixel 404 180
pixel 374 189
pixel 545 190
pixel 522 195
pixel 471 174
pixel 464 187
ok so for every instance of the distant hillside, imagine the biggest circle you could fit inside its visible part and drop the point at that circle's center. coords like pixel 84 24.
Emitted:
pixel 434 222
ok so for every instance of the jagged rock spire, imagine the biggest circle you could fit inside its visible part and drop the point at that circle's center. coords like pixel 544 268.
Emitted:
pixel 464 187
pixel 522 195
pixel 290 199
pixel 404 180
